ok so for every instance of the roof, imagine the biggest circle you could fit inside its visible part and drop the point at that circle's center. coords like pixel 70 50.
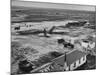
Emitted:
pixel 74 56
pixel 70 57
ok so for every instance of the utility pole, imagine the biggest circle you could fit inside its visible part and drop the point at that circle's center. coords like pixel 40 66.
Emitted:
pixel 65 64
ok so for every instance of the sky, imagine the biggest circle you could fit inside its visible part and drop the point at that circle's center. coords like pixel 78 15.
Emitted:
pixel 52 5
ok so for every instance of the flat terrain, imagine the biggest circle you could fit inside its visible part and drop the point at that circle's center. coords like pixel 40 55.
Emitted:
pixel 33 46
pixel 25 14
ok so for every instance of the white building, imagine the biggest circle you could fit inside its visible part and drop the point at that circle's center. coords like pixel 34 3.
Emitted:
pixel 74 60
pixel 67 62
pixel 92 45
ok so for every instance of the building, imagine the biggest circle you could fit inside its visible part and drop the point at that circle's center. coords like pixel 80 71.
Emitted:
pixel 92 45
pixel 67 62
pixel 88 44
pixel 72 60
pixel 78 24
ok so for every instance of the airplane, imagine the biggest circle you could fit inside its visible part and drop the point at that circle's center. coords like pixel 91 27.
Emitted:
pixel 41 32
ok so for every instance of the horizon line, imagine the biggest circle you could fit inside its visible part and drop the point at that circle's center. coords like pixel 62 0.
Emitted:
pixel 48 5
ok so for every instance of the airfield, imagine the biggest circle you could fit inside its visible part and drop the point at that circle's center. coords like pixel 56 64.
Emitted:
pixel 44 45
pixel 35 33
pixel 38 41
